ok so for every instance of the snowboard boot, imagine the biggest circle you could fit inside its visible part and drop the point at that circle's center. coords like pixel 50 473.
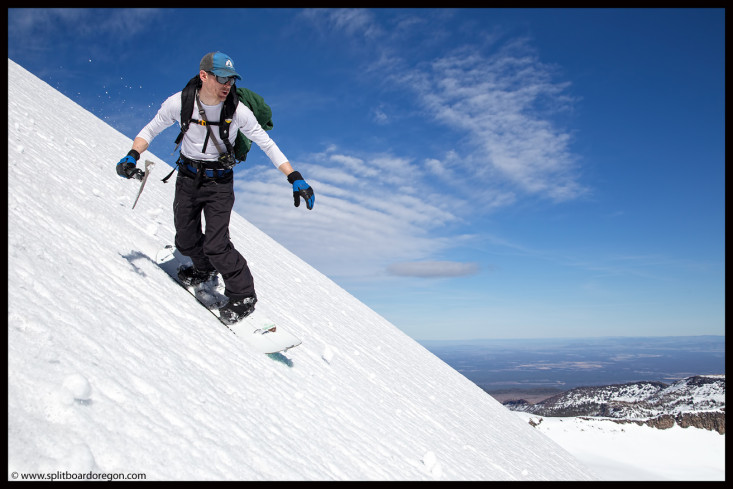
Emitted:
pixel 193 276
pixel 236 310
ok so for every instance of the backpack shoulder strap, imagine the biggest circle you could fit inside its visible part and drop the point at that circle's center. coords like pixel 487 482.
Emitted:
pixel 227 114
pixel 188 95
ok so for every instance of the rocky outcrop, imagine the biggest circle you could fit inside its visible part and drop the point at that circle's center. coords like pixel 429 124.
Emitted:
pixel 711 421
pixel 697 401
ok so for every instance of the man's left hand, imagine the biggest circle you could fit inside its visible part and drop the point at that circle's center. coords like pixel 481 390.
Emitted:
pixel 301 189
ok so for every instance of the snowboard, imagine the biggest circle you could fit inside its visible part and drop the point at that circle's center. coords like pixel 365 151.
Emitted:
pixel 257 330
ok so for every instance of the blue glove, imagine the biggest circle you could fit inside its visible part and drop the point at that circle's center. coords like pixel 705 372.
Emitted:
pixel 127 166
pixel 301 189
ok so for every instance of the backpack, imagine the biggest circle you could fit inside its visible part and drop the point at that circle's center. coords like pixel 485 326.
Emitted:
pixel 242 144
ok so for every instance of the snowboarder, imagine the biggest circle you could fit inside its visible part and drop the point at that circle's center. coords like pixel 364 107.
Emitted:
pixel 205 182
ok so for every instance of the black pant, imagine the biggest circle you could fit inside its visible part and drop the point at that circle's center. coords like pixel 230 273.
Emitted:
pixel 212 250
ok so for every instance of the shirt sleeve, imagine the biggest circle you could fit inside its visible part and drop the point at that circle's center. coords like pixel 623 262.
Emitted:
pixel 168 114
pixel 246 122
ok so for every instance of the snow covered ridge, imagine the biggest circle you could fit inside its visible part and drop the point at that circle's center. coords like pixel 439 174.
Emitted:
pixel 114 369
pixel 694 401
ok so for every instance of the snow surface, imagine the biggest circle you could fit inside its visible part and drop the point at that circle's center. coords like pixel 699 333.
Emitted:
pixel 113 368
pixel 632 452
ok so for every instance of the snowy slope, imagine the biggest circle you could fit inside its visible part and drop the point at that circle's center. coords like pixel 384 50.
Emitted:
pixel 632 452
pixel 113 368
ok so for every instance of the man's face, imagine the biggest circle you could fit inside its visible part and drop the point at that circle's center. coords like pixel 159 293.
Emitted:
pixel 214 87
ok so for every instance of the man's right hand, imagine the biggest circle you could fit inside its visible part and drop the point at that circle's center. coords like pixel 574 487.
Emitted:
pixel 127 166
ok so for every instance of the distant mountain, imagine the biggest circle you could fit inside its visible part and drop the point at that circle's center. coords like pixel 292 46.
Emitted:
pixel 694 401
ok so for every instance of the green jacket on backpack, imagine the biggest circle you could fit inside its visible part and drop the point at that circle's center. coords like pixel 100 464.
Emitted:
pixel 263 114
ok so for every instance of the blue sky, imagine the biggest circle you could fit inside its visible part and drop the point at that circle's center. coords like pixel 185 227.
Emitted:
pixel 479 173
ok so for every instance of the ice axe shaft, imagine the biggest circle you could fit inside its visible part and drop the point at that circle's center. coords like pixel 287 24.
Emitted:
pixel 148 166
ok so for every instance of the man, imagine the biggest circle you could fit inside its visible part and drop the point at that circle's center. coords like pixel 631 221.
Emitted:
pixel 205 182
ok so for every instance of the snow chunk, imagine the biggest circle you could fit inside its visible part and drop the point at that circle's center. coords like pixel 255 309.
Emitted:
pixel 78 386
pixel 432 466
pixel 328 354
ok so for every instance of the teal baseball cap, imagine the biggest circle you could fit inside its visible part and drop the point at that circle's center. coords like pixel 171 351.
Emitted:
pixel 219 64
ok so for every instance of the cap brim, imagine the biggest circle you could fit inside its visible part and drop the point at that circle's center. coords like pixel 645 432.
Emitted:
pixel 226 72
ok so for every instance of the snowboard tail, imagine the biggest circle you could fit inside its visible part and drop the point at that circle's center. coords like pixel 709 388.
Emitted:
pixel 257 330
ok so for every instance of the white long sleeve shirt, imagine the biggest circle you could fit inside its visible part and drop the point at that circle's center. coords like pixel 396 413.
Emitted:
pixel 193 141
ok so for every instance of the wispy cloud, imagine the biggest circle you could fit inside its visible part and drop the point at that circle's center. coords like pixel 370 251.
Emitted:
pixel 353 22
pixel 24 22
pixel 370 212
pixel 433 269
pixel 30 28
pixel 496 100
pixel 504 103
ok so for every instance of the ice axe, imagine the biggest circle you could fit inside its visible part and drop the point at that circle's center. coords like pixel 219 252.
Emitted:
pixel 148 166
